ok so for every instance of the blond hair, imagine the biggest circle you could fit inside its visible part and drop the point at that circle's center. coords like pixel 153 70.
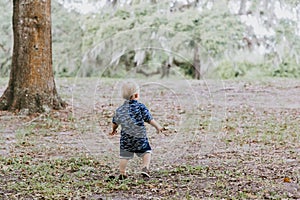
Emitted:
pixel 129 88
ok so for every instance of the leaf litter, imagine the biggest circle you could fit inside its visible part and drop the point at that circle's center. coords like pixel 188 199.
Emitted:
pixel 223 140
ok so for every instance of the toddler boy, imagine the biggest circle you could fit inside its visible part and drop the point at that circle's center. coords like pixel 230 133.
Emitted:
pixel 131 116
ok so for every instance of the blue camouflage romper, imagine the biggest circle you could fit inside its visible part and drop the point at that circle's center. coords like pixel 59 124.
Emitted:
pixel 131 116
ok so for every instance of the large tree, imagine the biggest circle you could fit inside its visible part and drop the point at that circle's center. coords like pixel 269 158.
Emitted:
pixel 31 87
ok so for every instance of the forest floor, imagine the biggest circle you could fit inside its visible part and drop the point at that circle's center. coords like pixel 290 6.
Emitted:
pixel 235 139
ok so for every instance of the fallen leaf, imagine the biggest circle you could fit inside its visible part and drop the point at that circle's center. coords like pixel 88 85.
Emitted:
pixel 287 180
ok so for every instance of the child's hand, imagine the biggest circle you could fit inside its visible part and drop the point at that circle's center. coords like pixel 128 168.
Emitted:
pixel 114 129
pixel 163 130
pixel 160 129
pixel 114 132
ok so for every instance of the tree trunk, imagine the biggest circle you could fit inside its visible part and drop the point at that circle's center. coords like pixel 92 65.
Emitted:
pixel 242 9
pixel 196 63
pixel 31 87
pixel 165 72
pixel 114 3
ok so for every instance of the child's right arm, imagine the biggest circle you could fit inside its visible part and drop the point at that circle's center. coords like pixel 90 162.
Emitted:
pixel 114 129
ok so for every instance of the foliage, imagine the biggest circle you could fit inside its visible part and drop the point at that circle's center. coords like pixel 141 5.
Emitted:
pixel 230 69
pixel 67 41
pixel 293 2
pixel 96 43
pixel 6 37
pixel 287 68
pixel 219 30
pixel 172 33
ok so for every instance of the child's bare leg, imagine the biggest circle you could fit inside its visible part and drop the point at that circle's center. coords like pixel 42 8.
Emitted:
pixel 123 164
pixel 146 160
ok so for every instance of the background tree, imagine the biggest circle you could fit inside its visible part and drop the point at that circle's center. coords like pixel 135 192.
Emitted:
pixel 31 87
pixel 5 39
pixel 67 37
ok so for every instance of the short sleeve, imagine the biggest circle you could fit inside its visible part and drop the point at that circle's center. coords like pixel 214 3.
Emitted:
pixel 147 117
pixel 115 119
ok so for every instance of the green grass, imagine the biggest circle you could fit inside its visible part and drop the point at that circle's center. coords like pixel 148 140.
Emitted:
pixel 29 177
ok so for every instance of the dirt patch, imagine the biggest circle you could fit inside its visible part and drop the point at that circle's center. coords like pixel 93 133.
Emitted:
pixel 225 139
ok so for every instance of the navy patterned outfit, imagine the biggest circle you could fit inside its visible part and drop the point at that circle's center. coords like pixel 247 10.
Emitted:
pixel 131 116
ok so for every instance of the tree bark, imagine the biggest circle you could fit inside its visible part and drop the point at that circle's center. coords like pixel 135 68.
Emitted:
pixel 114 3
pixel 242 9
pixel 165 69
pixel 31 87
pixel 196 63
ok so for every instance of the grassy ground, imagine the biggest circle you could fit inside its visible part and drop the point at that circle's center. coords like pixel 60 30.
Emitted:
pixel 225 140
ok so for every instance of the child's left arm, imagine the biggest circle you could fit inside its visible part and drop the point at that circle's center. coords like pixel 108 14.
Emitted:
pixel 156 125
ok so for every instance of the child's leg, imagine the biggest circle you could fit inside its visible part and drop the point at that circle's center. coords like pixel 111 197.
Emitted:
pixel 123 164
pixel 125 156
pixel 146 160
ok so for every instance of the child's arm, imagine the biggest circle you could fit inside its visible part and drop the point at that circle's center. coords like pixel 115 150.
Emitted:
pixel 114 129
pixel 156 125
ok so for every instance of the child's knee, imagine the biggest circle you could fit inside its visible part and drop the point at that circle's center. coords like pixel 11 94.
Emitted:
pixel 147 153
